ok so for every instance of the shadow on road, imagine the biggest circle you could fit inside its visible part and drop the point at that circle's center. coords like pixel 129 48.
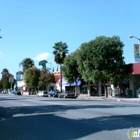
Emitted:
pixel 50 123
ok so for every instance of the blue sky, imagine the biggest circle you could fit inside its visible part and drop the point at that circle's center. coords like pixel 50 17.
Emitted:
pixel 31 27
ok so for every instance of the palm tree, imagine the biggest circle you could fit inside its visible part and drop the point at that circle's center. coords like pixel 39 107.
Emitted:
pixel 60 51
pixel 53 69
pixel 26 63
pixel 4 71
pixel 19 72
pixel 18 75
pixel 43 64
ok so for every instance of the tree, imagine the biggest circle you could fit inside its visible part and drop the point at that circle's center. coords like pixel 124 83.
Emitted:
pixel 27 63
pixel 70 69
pixel 53 69
pixel 46 78
pixel 31 77
pixel 19 72
pixel 43 64
pixel 57 68
pixel 102 59
pixel 84 62
pixel 5 71
pixel 60 51
pixel 5 83
pixel 19 75
pixel 1 86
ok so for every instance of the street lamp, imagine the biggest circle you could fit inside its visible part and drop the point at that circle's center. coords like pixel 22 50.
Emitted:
pixel 131 36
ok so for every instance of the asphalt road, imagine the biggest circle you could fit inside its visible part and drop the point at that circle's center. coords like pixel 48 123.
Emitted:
pixel 43 118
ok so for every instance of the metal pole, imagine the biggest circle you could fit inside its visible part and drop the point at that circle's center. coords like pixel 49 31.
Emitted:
pixel 11 87
pixel 131 36
pixel 61 79
pixel 11 80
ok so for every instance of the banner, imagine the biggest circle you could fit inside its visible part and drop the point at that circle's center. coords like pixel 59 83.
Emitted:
pixel 137 52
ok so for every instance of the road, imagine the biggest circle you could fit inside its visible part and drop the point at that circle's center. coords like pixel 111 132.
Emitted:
pixel 43 118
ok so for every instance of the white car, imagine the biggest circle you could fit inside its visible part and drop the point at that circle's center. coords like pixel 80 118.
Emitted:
pixel 42 94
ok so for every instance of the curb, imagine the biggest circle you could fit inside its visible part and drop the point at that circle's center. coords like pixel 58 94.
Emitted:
pixel 110 99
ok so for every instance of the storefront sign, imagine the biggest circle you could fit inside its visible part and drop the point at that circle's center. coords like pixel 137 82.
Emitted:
pixel 137 52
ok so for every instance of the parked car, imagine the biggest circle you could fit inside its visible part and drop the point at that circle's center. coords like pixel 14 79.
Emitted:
pixel 5 91
pixel 1 90
pixel 53 93
pixel 16 92
pixel 67 94
pixel 19 93
pixel 42 94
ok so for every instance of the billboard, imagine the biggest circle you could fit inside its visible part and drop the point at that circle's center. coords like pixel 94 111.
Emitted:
pixel 137 52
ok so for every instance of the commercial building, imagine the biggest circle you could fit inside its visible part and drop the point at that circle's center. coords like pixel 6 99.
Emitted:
pixel 133 71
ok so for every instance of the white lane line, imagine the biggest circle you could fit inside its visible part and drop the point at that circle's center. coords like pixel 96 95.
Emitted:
pixel 3 119
pixel 26 104
pixel 46 102
pixel 51 103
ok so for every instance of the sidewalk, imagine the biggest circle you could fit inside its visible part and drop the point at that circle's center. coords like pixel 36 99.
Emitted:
pixel 110 98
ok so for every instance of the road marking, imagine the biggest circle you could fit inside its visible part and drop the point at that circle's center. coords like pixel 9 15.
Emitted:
pixel 43 103
pixel 53 103
pixel 27 104
pixel 46 102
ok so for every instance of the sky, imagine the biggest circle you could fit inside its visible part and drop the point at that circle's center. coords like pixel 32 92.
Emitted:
pixel 30 28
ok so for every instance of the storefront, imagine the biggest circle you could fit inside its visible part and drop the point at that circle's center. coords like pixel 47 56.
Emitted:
pixel 134 78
